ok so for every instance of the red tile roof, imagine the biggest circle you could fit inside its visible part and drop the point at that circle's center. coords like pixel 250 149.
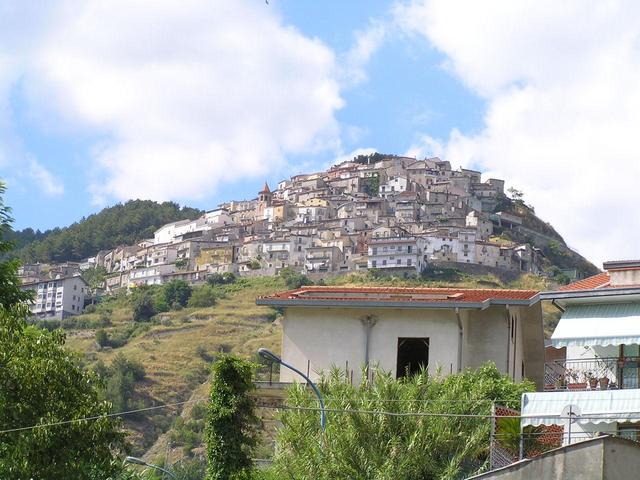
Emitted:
pixel 601 280
pixel 401 294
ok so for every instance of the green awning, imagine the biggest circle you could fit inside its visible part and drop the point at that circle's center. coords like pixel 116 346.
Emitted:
pixel 601 324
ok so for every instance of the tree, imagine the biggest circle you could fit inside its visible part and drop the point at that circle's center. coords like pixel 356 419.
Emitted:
pixel 363 446
pixel 94 277
pixel 231 426
pixel 294 279
pixel 177 292
pixel 202 297
pixel 42 384
pixel 143 308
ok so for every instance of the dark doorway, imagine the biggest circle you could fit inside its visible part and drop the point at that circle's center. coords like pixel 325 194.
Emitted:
pixel 413 353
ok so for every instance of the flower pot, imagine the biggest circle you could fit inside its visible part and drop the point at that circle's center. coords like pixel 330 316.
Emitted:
pixel 577 386
pixel 593 383
pixel 604 383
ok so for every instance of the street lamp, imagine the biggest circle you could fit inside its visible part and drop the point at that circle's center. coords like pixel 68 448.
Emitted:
pixel 139 461
pixel 272 357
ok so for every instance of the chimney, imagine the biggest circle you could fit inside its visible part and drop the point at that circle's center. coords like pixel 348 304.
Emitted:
pixel 623 273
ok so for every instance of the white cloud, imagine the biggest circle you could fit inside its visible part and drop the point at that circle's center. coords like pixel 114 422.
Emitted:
pixel 185 95
pixel 425 146
pixel 562 85
pixel 45 180
pixel 366 44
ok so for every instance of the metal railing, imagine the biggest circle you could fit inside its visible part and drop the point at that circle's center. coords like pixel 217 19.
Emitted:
pixel 598 373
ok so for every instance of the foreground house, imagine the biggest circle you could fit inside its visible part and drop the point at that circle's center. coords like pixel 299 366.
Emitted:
pixel 403 329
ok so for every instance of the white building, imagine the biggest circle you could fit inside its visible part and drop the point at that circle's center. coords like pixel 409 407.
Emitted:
pixel 403 329
pixel 58 298
pixel 596 384
pixel 393 186
pixel 388 253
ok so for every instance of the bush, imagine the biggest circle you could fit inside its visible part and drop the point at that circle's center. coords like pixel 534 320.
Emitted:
pixel 90 308
pixel 202 297
pixel 143 308
pixel 363 446
pixel 176 292
pixel 102 338
pixel 294 279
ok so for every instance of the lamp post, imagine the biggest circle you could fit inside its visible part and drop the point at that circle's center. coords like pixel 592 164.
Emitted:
pixel 139 461
pixel 272 357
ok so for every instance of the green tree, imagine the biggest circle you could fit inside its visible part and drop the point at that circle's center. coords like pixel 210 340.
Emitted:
pixel 363 446
pixel 45 397
pixel 177 292
pixel 231 426
pixel 294 279
pixel 143 308
pixel 94 277
pixel 202 297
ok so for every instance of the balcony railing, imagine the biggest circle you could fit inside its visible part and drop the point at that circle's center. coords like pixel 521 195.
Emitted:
pixel 598 373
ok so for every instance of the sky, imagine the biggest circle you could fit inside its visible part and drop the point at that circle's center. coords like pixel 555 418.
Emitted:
pixel 201 101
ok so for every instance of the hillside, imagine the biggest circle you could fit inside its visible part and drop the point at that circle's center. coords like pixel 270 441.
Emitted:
pixel 176 348
pixel 123 223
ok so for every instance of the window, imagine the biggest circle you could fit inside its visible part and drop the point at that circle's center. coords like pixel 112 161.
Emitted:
pixel 398 262
pixel 384 262
pixel 408 262
pixel 375 250
pixel 409 249
pixel 374 263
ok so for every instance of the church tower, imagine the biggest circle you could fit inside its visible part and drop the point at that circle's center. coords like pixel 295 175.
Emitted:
pixel 265 196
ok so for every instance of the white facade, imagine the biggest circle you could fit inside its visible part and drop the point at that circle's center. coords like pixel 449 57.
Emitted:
pixel 59 298
pixel 390 253
pixel 318 338
pixel 393 186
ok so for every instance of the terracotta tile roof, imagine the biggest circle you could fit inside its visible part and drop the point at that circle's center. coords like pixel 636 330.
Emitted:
pixel 601 280
pixel 402 294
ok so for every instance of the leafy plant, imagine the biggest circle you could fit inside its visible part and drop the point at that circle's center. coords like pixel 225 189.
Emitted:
pixel 231 423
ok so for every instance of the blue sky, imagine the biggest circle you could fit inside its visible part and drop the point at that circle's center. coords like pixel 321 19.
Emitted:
pixel 406 93
pixel 200 101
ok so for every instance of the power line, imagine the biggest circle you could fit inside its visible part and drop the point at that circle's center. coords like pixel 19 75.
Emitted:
pixel 628 415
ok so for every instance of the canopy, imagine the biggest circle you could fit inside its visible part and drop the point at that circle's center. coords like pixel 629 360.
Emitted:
pixel 607 406
pixel 607 324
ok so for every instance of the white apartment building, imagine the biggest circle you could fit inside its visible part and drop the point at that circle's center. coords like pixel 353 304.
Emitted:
pixel 396 253
pixel 58 298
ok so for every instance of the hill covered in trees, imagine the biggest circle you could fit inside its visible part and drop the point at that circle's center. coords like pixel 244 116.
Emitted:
pixel 120 224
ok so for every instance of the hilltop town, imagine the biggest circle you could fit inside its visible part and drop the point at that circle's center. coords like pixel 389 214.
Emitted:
pixel 397 215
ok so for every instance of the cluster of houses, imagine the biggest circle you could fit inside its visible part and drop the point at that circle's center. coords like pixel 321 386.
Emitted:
pixel 587 375
pixel 394 214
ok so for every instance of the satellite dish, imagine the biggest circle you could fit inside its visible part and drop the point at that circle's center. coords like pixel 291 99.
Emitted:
pixel 571 412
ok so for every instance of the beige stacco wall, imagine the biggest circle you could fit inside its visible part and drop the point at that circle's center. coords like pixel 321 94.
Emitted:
pixel 319 338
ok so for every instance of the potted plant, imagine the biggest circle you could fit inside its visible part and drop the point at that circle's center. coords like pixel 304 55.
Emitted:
pixel 604 383
pixel 592 379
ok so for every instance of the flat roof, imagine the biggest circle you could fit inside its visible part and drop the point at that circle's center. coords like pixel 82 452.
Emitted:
pixel 401 297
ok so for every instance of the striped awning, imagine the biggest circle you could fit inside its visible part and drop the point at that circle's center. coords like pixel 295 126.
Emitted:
pixel 598 324
pixel 556 408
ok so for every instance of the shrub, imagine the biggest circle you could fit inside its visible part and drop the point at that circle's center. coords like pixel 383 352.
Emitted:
pixel 143 308
pixel 90 308
pixel 102 338
pixel 176 292
pixel 294 279
pixel 202 297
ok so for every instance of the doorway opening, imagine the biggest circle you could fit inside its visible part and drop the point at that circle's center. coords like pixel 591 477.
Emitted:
pixel 413 354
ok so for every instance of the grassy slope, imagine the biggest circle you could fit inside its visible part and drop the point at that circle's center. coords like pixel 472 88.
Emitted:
pixel 168 351
pixel 175 371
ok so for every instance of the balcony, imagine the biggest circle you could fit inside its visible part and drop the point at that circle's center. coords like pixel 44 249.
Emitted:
pixel 601 373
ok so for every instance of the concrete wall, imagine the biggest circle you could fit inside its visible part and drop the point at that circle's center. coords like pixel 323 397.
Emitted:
pixel 318 338
pixel 605 458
